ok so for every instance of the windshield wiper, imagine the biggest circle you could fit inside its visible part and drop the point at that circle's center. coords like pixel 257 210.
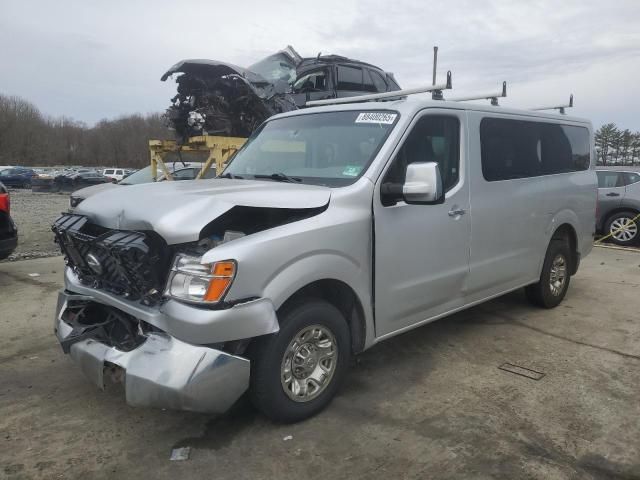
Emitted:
pixel 230 175
pixel 280 177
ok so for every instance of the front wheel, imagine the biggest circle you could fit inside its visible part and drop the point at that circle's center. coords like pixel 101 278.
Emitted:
pixel 296 372
pixel 549 291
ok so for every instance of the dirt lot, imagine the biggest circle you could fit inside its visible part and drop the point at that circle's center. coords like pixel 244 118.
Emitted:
pixel 34 213
pixel 428 404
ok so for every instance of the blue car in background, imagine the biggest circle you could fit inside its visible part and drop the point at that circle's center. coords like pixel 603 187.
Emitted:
pixel 17 177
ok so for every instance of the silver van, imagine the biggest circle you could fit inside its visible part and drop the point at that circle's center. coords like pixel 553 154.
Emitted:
pixel 332 229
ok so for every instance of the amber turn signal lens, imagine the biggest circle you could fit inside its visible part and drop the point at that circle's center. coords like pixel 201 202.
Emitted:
pixel 223 273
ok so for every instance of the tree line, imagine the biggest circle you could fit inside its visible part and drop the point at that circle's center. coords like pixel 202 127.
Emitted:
pixel 617 147
pixel 27 137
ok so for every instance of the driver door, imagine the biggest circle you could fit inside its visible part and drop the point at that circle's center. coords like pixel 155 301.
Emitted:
pixel 422 251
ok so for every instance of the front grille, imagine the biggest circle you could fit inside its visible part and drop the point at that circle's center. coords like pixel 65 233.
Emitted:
pixel 130 264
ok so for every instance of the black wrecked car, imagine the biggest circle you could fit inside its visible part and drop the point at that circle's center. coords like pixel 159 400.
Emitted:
pixel 8 230
pixel 218 98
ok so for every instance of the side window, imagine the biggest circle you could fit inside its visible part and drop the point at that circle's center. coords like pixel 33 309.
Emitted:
pixel 519 149
pixel 349 78
pixel 434 138
pixel 312 82
pixel 609 179
pixel 367 82
pixel 631 178
pixel 378 81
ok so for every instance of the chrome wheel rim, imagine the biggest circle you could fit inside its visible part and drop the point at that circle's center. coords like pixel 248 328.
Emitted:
pixel 309 363
pixel 558 275
pixel 623 229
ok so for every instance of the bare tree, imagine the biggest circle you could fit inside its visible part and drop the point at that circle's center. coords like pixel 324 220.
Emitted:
pixel 28 138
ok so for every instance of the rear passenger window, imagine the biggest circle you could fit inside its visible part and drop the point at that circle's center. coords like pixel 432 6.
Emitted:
pixel 434 138
pixel 519 149
pixel 349 78
pixel 609 179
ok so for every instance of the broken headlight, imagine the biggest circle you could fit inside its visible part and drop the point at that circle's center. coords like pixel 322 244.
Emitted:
pixel 196 282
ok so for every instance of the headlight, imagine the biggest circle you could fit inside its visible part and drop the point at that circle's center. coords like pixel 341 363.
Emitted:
pixel 192 281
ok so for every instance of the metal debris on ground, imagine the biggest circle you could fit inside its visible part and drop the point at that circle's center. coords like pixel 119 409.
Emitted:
pixel 180 453
pixel 288 437
pixel 33 275
pixel 522 371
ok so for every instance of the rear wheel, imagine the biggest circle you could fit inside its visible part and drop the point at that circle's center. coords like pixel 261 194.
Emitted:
pixel 296 372
pixel 623 229
pixel 552 287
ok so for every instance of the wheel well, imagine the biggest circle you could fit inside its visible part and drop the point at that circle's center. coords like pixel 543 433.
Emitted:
pixel 615 211
pixel 566 231
pixel 341 296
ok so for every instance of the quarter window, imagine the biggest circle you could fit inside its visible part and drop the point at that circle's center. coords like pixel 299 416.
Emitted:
pixel 632 178
pixel 519 149
pixel 434 138
pixel 378 81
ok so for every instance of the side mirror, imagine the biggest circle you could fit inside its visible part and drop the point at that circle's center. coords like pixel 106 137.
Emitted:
pixel 423 184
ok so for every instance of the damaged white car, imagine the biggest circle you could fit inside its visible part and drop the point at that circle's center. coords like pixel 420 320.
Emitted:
pixel 332 229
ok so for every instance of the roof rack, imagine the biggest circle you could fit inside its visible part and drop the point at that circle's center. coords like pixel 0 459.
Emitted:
pixel 383 95
pixel 489 96
pixel 561 108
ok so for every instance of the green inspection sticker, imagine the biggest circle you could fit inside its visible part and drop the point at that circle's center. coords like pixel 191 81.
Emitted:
pixel 351 170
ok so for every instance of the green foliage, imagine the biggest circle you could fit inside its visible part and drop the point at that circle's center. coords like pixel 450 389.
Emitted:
pixel 617 147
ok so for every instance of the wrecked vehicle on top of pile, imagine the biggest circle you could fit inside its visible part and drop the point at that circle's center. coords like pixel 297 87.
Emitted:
pixel 218 98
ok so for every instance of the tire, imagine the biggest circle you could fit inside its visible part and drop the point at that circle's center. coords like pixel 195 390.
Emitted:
pixel 274 380
pixel 547 293
pixel 627 232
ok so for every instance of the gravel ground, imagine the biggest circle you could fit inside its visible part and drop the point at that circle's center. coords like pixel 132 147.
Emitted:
pixel 34 213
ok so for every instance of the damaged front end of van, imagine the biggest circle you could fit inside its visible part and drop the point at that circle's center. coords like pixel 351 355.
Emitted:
pixel 146 303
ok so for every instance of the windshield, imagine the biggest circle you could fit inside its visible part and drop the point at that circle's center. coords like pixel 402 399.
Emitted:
pixel 275 67
pixel 332 148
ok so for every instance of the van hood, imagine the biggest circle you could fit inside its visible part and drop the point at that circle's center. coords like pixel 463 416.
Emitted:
pixel 178 211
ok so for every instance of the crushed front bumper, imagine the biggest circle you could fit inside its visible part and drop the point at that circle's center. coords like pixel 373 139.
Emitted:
pixel 162 371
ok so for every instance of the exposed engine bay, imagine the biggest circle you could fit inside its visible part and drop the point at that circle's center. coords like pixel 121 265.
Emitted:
pixel 217 98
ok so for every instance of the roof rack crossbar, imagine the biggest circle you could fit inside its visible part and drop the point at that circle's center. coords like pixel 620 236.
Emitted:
pixel 384 95
pixel 561 108
pixel 489 96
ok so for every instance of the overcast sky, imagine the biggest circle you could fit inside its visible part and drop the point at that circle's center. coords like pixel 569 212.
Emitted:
pixel 91 60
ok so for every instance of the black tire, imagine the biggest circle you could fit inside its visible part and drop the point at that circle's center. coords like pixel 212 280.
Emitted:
pixel 620 241
pixel 267 355
pixel 541 293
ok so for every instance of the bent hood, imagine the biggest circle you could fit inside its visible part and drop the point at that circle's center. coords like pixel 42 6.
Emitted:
pixel 87 192
pixel 178 211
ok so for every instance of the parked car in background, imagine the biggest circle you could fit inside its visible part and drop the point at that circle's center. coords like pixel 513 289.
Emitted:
pixel 179 171
pixel 619 206
pixel 115 174
pixel 18 177
pixel 71 182
pixel 8 230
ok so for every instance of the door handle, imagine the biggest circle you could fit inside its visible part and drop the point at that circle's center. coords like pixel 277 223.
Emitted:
pixel 613 194
pixel 456 212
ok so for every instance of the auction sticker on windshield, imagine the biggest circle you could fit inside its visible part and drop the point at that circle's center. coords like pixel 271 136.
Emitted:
pixel 376 117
